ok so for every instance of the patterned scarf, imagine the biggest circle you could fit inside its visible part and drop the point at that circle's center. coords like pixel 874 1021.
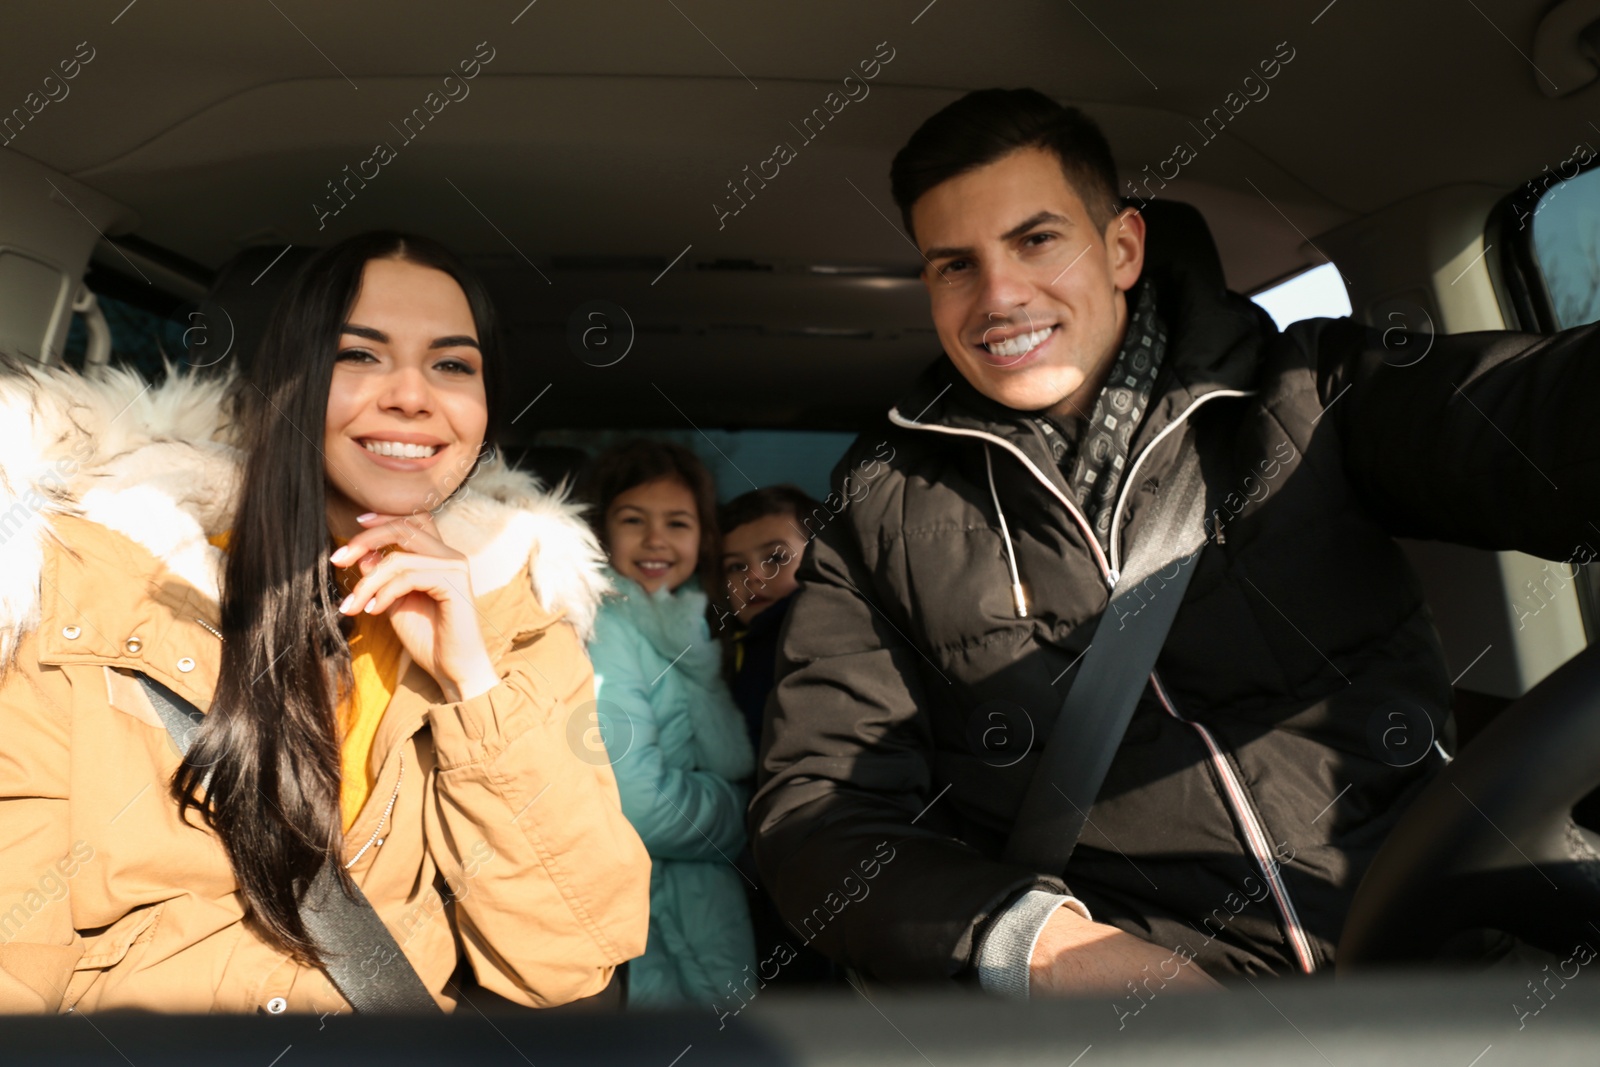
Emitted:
pixel 1098 451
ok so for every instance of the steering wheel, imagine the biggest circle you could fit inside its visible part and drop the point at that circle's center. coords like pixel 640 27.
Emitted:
pixel 1490 843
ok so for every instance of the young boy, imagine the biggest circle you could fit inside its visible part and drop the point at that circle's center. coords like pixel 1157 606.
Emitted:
pixel 762 541
pixel 763 538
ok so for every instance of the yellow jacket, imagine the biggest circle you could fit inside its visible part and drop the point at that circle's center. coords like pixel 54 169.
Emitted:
pixel 489 831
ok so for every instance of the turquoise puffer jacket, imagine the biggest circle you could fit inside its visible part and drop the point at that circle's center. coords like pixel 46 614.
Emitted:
pixel 677 745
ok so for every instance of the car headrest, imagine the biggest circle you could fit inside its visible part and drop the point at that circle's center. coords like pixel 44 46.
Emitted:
pixel 551 464
pixel 233 316
pixel 1176 234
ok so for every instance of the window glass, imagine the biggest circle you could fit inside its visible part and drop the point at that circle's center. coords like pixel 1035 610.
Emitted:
pixel 138 337
pixel 741 460
pixel 1316 293
pixel 1566 244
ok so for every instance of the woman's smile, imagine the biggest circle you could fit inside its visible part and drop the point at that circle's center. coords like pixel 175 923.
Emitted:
pixel 402 452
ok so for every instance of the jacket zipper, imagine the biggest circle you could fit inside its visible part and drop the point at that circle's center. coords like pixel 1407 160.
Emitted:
pixel 1233 791
pixel 1255 835
pixel 387 810
pixel 1249 819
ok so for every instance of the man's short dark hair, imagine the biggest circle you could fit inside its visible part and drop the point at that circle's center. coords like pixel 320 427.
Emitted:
pixel 987 124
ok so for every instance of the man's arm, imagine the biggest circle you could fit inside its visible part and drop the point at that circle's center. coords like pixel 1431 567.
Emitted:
pixel 838 826
pixel 1072 955
pixel 1488 440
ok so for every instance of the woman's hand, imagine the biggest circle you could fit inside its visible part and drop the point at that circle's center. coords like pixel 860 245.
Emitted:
pixel 425 587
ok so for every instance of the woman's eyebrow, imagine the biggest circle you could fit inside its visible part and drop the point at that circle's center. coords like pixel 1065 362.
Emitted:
pixel 366 331
pixel 453 341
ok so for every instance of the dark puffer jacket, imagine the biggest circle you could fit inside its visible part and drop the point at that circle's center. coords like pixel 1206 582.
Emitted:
pixel 1295 707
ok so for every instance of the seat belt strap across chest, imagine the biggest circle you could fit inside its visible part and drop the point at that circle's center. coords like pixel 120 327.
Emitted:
pixel 359 954
pixel 1101 702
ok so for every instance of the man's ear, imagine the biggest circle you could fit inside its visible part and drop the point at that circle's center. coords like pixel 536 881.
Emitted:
pixel 1125 248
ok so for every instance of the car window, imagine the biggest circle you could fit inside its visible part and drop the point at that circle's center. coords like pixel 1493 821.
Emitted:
pixel 741 460
pixel 1315 293
pixel 1566 247
pixel 139 337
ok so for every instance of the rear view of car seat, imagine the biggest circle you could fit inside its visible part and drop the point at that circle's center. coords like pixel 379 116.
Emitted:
pixel 233 316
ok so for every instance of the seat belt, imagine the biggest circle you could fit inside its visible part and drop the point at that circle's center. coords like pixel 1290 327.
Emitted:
pixel 359 954
pixel 1116 667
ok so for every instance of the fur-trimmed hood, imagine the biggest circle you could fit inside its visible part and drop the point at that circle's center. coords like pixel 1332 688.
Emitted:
pixel 161 466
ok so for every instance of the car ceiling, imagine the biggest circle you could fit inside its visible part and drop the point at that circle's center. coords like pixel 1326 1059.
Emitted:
pixel 592 147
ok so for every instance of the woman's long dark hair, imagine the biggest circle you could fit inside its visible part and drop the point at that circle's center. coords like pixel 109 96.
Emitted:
pixel 264 767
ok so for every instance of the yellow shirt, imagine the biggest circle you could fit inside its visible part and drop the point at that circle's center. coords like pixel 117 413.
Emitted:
pixel 375 653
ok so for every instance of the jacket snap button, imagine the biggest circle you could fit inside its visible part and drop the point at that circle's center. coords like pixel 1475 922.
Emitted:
pixel 277 1005
pixel 186 665
pixel 71 632
pixel 133 645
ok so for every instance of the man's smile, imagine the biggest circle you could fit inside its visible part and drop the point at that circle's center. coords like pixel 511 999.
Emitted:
pixel 1009 348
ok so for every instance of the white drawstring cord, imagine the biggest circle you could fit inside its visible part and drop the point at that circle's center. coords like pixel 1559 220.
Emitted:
pixel 1005 536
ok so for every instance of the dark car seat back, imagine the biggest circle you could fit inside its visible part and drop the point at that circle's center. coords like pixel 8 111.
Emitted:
pixel 1176 233
pixel 232 319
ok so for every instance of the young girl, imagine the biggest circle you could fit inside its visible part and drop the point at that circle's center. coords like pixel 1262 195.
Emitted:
pixel 676 739
pixel 384 633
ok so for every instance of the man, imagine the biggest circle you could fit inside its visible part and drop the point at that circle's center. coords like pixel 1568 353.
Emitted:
pixel 1294 709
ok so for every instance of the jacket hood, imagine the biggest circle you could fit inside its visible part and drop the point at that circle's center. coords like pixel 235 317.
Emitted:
pixel 160 464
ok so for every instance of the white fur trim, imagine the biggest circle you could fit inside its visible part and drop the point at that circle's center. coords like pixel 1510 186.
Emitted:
pixel 504 518
pixel 158 464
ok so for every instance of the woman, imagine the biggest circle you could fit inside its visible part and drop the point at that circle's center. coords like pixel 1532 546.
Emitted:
pixel 388 675
pixel 676 739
